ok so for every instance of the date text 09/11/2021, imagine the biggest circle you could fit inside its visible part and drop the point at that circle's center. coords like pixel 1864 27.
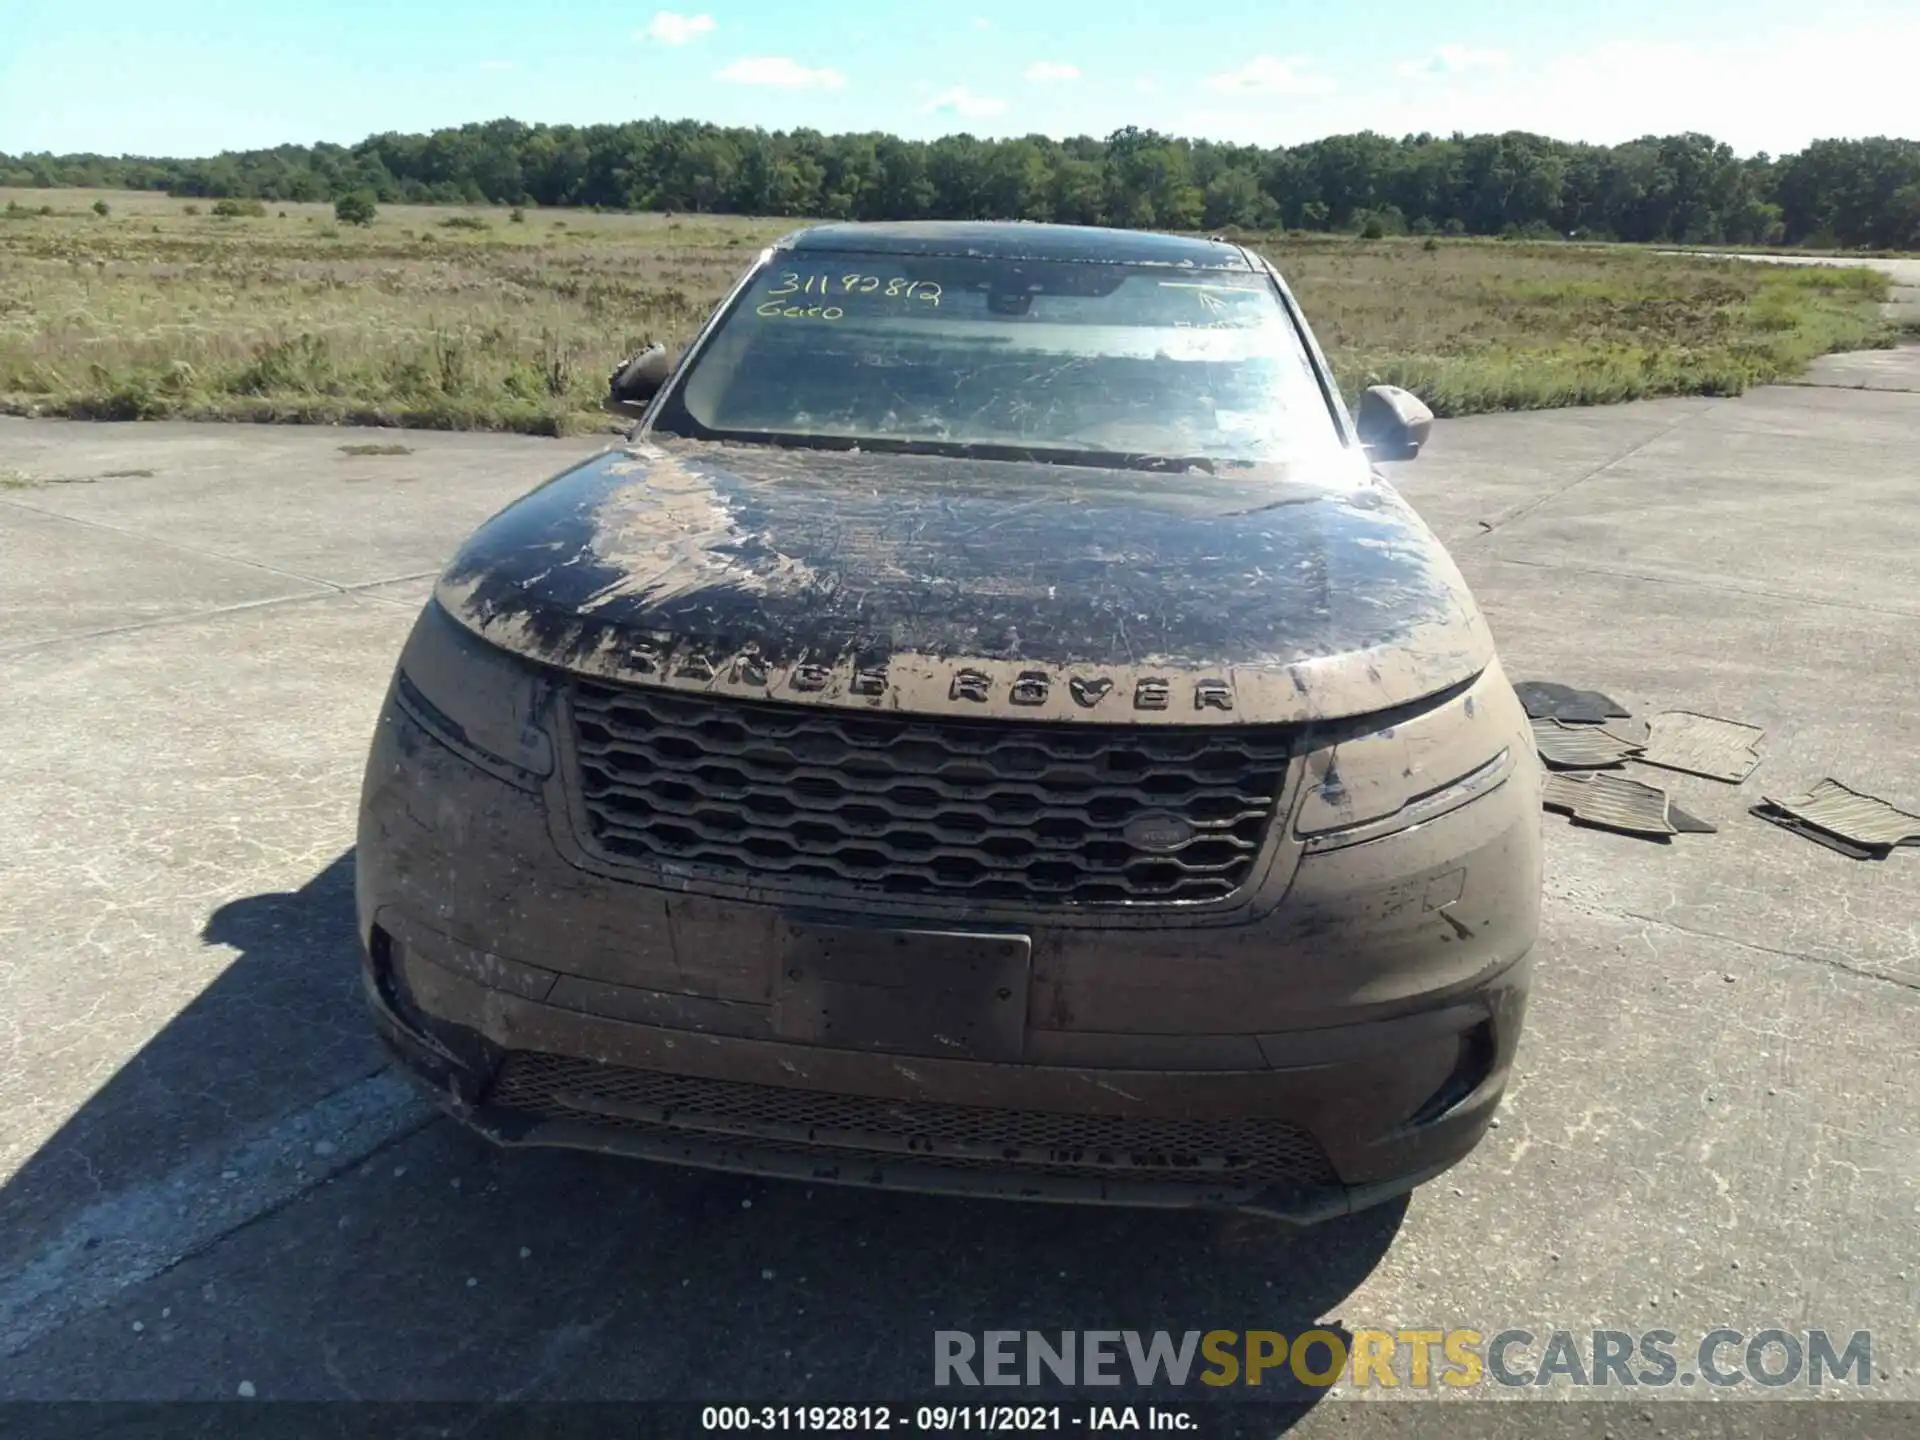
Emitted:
pixel 943 1419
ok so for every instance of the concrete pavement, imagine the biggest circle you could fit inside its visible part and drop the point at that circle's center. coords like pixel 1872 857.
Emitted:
pixel 207 1179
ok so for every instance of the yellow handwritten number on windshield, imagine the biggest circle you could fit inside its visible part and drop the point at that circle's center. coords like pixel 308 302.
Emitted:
pixel 925 290
pixel 897 288
pixel 773 309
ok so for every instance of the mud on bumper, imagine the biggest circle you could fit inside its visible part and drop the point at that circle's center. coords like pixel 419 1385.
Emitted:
pixel 1283 1142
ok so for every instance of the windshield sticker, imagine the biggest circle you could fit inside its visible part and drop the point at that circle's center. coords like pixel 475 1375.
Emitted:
pixel 896 287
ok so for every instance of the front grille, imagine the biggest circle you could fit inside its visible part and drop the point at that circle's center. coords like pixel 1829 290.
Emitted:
pixel 860 1128
pixel 953 809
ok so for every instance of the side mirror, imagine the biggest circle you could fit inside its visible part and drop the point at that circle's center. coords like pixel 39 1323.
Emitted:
pixel 638 380
pixel 1393 423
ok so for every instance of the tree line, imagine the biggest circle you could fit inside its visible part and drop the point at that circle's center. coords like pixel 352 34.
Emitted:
pixel 1686 188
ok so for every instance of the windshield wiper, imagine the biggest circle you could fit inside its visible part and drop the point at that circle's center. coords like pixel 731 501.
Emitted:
pixel 960 449
pixel 1043 455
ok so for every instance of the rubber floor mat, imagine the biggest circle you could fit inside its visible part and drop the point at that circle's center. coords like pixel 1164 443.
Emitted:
pixel 1841 810
pixel 1546 700
pixel 1702 745
pixel 1788 821
pixel 1615 802
pixel 1579 747
pixel 1633 732
pixel 1562 792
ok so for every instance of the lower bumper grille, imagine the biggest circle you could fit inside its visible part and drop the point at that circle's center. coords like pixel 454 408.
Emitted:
pixel 1238 1152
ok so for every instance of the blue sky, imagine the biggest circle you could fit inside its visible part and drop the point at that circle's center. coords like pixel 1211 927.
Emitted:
pixel 187 77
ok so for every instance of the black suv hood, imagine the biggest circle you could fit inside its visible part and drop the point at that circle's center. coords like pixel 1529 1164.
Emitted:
pixel 975 586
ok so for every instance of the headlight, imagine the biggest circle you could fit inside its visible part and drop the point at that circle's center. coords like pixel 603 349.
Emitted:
pixel 474 698
pixel 1419 810
pixel 1414 770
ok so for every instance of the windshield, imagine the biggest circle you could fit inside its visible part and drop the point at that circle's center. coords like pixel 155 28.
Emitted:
pixel 1061 360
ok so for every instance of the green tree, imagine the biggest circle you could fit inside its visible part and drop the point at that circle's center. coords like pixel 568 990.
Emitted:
pixel 1018 182
pixel 902 189
pixel 1234 197
pixel 1079 191
pixel 956 164
pixel 1150 181
pixel 1347 174
pixel 1901 229
pixel 1653 189
pixel 355 208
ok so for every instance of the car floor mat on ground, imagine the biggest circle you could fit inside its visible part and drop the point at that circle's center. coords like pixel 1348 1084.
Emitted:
pixel 1706 745
pixel 1546 700
pixel 1862 820
pixel 1562 792
pixel 1788 821
pixel 1633 732
pixel 1579 747
pixel 1614 802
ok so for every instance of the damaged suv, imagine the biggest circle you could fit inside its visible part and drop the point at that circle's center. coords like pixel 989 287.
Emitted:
pixel 990 729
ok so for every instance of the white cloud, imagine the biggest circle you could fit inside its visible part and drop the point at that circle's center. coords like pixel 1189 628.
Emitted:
pixel 496 64
pixel 963 102
pixel 1772 89
pixel 1467 57
pixel 1147 85
pixel 1042 71
pixel 671 28
pixel 982 23
pixel 1453 60
pixel 781 73
pixel 1271 75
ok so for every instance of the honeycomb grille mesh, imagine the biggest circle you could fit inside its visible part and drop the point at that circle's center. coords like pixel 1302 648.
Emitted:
pixel 1240 1151
pixel 962 809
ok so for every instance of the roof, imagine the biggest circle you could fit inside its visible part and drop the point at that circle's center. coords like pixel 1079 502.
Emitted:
pixel 1018 240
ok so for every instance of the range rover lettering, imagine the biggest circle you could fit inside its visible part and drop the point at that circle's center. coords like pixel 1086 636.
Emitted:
pixel 991 728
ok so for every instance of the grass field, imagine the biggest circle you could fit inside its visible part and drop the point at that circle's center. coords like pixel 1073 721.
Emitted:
pixel 463 318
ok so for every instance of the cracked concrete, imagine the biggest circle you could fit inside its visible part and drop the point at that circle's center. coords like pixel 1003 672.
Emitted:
pixel 1713 1120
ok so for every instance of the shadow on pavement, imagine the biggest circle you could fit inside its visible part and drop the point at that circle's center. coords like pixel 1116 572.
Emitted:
pixel 441 1268
pixel 273 1031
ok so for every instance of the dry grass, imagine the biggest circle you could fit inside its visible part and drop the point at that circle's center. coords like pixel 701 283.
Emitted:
pixel 1473 326
pixel 450 318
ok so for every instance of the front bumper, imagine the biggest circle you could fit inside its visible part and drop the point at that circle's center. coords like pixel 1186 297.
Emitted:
pixel 1337 1049
pixel 1356 1120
